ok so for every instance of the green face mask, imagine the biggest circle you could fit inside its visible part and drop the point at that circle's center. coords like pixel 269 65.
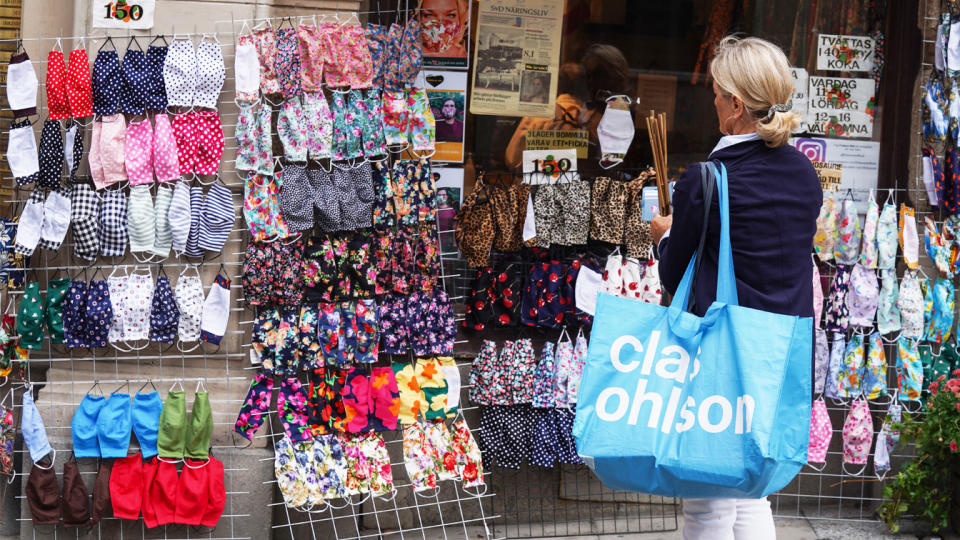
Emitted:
pixel 30 318
pixel 199 428
pixel 53 308
pixel 173 423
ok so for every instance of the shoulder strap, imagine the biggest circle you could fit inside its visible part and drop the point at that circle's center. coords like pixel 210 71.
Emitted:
pixel 708 180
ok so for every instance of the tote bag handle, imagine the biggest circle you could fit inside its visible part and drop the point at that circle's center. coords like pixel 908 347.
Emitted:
pixel 687 325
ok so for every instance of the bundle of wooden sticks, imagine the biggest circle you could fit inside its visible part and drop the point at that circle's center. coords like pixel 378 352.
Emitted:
pixel 657 129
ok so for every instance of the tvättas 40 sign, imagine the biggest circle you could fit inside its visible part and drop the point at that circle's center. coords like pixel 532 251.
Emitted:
pixel 130 14
pixel 845 53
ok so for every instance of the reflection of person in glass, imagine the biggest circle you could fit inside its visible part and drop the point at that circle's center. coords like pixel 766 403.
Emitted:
pixel 446 211
pixel 443 23
pixel 449 127
pixel 535 88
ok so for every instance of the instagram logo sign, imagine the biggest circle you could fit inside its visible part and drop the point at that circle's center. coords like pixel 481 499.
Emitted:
pixel 814 149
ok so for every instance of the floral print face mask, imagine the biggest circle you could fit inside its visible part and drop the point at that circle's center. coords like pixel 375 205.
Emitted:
pixel 826 226
pixel 837 315
pixel 888 312
pixel 910 304
pixel 851 376
pixel 909 370
pixel 863 296
pixel 909 242
pixel 941 317
pixel 835 371
pixel 846 237
pixel 857 434
pixel 420 458
pixel 887 238
pixel 868 250
pixel 8 433
pixel 875 375
pixel 822 360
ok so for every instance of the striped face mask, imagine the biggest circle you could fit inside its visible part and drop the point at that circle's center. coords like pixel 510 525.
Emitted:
pixel 216 218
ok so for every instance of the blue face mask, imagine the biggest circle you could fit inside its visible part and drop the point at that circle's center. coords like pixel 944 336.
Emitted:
pixel 146 421
pixel 83 427
pixel 34 432
pixel 113 426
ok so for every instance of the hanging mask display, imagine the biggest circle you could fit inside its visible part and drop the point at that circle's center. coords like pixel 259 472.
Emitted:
pixel 846 237
pixel 826 225
pixel 615 131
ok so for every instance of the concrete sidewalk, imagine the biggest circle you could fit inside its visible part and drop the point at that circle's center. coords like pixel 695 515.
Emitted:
pixel 787 529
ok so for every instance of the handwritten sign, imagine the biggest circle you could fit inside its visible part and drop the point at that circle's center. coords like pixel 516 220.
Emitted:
pixel 840 107
pixel 799 96
pixel 545 139
pixel 129 14
pixel 550 166
pixel 845 53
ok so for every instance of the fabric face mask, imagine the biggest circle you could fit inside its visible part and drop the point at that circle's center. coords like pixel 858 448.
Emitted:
pixel 846 238
pixel 934 112
pixel 22 86
pixel 246 69
pixel 875 376
pixel 615 130
pixel 932 175
pixel 292 130
pixel 941 322
pixel 439 36
pixel 178 217
pixel 826 226
pixel 908 237
pixel 821 360
pixel 909 370
pixel 863 296
pixel 888 311
pixel 820 433
pixel 851 376
pixel 817 296
pixel 835 370
pixel 910 304
pixel 837 314
pixel 216 311
pixel 887 238
pixel 34 432
pixel 857 434
pixel 189 296
pixel 868 250
pixel 936 249
pixel 22 155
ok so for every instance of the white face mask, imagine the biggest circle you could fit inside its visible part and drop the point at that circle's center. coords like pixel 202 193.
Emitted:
pixel 587 288
pixel 22 86
pixel 615 130
pixel 56 220
pixel 216 311
pixel 22 153
pixel 28 227
pixel 178 217
pixel 246 69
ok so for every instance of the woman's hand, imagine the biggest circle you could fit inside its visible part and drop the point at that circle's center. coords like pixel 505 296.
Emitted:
pixel 659 225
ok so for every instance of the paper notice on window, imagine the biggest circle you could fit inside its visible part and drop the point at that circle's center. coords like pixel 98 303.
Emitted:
pixel 840 107
pixel 517 57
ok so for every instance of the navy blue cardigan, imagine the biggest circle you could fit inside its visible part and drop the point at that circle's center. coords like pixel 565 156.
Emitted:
pixel 775 198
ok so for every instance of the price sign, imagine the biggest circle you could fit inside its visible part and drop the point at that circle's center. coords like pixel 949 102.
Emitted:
pixel 130 14
pixel 550 166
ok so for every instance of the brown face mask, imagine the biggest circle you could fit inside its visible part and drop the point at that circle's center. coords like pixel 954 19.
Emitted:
pixel 101 491
pixel 75 502
pixel 43 493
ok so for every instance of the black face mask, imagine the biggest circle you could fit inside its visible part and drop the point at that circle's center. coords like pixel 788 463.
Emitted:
pixel 43 495
pixel 75 502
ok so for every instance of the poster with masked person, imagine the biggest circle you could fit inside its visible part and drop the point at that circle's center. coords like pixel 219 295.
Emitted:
pixel 445 32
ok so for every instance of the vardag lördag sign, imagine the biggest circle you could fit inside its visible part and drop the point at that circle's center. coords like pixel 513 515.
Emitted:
pixel 845 53
pixel 840 107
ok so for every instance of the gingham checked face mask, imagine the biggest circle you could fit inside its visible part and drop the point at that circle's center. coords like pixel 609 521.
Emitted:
pixel 84 205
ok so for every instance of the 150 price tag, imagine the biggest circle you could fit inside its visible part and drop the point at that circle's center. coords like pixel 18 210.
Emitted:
pixel 130 14
pixel 550 166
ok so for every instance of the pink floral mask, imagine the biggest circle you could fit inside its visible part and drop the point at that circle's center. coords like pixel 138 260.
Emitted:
pixel 440 36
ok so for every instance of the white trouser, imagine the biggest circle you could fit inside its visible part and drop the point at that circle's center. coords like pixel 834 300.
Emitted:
pixel 728 519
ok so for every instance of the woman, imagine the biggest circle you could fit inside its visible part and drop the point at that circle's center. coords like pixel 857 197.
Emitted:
pixel 443 24
pixel 774 197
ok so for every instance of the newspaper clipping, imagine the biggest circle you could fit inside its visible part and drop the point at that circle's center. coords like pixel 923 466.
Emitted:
pixel 517 57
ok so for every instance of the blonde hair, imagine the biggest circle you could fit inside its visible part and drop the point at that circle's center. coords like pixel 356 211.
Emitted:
pixel 757 72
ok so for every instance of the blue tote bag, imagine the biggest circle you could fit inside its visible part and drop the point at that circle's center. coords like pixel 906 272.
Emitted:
pixel 685 406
